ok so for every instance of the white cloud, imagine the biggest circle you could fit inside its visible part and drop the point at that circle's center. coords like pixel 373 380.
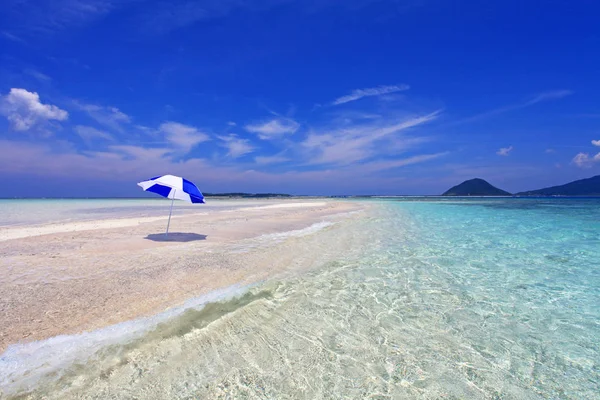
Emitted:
pixel 504 151
pixel 550 151
pixel 550 95
pixel 122 165
pixel 182 136
pixel 237 147
pixel 273 128
pixel 231 123
pixel 389 164
pixel 265 160
pixel 88 133
pixel 24 109
pixel 332 150
pixel 348 145
pixel 110 117
pixel 376 91
pixel 344 116
pixel 584 160
pixel 38 75
pixel 141 153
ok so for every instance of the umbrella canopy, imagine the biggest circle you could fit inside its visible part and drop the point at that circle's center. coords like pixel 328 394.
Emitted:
pixel 173 187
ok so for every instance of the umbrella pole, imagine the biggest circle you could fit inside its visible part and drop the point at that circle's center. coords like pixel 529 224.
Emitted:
pixel 170 212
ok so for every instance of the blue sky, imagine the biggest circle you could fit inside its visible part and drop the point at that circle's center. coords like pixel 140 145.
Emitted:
pixel 302 97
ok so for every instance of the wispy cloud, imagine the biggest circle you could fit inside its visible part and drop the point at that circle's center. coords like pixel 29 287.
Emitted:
pixel 12 37
pixel 346 116
pixel 368 92
pixel 390 164
pixel 89 133
pixel 110 117
pixel 596 143
pixel 37 75
pixel 237 147
pixel 46 16
pixel 273 128
pixel 504 151
pixel 267 160
pixel 348 145
pixel 183 137
pixel 169 15
pixel 551 95
pixel 24 109
pixel 546 96
pixel 141 153
pixel 122 164
pixel 166 16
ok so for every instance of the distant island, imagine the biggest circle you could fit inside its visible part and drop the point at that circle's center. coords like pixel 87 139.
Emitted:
pixel 582 187
pixel 480 187
pixel 475 187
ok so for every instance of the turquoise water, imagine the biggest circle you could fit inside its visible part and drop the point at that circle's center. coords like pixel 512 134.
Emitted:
pixel 488 299
pixel 511 289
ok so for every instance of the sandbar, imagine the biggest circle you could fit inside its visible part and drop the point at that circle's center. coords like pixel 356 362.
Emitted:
pixel 79 276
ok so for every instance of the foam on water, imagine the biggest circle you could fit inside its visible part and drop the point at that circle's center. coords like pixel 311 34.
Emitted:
pixel 281 236
pixel 273 238
pixel 24 366
pixel 448 299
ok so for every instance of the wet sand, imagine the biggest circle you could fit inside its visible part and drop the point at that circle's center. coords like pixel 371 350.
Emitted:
pixel 79 276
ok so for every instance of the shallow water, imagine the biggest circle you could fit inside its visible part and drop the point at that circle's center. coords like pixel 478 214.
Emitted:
pixel 444 299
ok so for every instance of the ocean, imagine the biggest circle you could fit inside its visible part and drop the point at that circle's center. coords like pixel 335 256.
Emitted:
pixel 435 298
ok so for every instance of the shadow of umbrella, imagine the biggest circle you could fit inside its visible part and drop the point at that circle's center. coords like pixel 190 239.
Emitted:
pixel 176 237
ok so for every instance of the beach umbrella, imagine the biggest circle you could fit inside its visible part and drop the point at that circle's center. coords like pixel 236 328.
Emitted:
pixel 173 187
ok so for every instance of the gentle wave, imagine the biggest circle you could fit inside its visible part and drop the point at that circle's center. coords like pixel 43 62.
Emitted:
pixel 274 238
pixel 24 367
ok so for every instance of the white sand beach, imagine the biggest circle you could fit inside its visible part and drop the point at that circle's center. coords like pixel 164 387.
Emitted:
pixel 82 275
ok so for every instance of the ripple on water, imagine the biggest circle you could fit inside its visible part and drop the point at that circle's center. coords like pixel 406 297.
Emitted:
pixel 448 300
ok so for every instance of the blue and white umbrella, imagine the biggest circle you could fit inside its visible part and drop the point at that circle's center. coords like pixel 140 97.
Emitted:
pixel 173 187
